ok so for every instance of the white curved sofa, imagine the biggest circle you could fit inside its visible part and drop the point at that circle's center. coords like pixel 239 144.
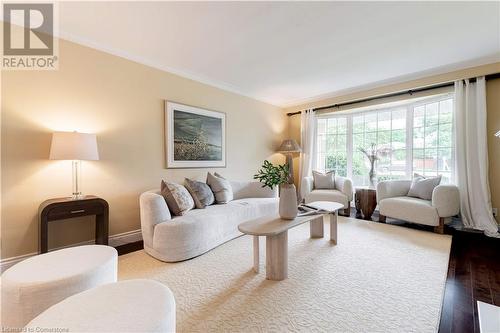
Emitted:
pixel 393 202
pixel 343 192
pixel 176 238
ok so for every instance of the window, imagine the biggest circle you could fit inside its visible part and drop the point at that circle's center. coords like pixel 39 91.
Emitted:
pixel 432 139
pixel 417 136
pixel 332 145
pixel 386 130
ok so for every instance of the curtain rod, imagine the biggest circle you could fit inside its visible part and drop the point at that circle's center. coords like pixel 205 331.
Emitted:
pixel 400 93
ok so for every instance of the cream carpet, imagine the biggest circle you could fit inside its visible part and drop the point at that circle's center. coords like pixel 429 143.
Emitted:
pixel 379 278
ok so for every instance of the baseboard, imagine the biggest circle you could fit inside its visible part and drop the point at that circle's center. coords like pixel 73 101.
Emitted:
pixel 125 238
pixel 114 241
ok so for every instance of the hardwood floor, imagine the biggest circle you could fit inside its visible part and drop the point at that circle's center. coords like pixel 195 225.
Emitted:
pixel 473 275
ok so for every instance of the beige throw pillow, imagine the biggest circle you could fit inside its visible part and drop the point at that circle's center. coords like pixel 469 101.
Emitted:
pixel 220 187
pixel 201 193
pixel 324 180
pixel 422 187
pixel 178 199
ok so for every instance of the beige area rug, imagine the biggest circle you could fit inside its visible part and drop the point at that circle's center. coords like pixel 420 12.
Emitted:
pixel 379 278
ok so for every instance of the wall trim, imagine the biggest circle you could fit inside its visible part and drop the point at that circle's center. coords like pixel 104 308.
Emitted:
pixel 296 103
pixel 125 238
pixel 114 241
pixel 175 71
pixel 433 76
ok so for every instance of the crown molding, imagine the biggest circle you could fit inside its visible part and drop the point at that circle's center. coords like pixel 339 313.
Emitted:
pixel 488 60
pixel 294 103
pixel 147 62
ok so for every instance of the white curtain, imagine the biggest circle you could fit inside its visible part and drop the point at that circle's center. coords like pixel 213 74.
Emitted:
pixel 472 156
pixel 307 130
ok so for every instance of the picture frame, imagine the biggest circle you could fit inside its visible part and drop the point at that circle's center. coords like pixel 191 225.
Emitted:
pixel 194 137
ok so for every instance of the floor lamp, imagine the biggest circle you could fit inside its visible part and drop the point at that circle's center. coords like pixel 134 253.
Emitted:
pixel 288 148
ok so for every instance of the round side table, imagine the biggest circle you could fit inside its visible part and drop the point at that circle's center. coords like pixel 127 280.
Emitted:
pixel 366 201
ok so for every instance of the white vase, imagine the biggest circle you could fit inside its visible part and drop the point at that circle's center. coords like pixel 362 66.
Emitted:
pixel 288 202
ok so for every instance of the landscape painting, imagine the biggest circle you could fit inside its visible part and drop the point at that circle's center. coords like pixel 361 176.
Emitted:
pixel 195 137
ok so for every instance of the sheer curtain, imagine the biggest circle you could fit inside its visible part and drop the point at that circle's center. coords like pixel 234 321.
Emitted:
pixel 472 156
pixel 307 129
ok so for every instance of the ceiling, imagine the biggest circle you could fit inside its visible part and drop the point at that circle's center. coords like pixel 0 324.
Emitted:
pixel 287 53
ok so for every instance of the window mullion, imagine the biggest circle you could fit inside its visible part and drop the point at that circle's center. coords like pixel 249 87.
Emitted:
pixel 349 146
pixel 409 140
pixel 315 146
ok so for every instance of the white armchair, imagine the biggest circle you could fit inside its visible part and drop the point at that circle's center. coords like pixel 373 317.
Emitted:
pixel 393 202
pixel 343 192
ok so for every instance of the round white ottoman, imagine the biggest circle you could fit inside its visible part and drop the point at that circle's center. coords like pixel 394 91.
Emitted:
pixel 33 285
pixel 126 306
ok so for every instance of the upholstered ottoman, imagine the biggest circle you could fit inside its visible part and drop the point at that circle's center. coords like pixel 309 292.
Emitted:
pixel 126 306
pixel 35 284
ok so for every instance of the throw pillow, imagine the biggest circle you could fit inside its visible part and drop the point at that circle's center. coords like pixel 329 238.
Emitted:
pixel 178 199
pixel 218 175
pixel 324 180
pixel 422 187
pixel 221 187
pixel 201 193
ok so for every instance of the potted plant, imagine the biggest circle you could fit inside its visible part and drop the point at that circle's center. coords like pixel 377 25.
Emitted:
pixel 279 175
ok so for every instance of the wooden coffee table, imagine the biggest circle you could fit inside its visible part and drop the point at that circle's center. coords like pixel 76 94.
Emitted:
pixel 275 229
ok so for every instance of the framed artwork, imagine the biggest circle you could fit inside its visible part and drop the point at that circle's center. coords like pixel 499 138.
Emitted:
pixel 194 137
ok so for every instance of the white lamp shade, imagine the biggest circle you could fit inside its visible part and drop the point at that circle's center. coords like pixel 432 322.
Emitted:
pixel 73 146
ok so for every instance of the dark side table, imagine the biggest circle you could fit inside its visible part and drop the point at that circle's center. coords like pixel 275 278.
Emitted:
pixel 65 208
pixel 366 201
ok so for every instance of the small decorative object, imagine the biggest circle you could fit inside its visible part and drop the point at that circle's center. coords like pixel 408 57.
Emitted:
pixel 497 134
pixel 76 147
pixel 288 148
pixel 194 137
pixel 270 175
pixel 373 155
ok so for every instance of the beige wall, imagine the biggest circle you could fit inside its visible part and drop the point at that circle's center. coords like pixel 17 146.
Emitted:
pixel 123 103
pixel 493 107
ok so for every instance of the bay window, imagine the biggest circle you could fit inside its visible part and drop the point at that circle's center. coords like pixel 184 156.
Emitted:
pixel 418 135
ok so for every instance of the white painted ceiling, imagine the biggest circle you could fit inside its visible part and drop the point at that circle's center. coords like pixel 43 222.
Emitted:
pixel 286 53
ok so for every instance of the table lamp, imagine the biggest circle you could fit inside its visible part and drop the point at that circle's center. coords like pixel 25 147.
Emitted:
pixel 76 147
pixel 287 148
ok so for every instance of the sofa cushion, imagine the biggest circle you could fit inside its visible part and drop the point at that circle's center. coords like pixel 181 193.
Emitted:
pixel 422 187
pixel 410 209
pixel 200 230
pixel 178 199
pixel 221 188
pixel 201 193
pixel 324 180
pixel 327 195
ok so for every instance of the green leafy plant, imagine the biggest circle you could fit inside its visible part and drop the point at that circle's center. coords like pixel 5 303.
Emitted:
pixel 273 175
